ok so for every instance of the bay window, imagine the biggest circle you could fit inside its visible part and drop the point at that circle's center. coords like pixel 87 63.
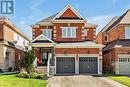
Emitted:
pixel 68 32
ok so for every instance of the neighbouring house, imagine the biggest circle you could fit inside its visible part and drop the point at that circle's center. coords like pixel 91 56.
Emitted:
pixel 13 43
pixel 116 36
pixel 64 43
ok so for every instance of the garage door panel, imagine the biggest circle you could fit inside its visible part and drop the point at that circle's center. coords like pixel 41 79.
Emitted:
pixel 124 66
pixel 65 65
pixel 88 65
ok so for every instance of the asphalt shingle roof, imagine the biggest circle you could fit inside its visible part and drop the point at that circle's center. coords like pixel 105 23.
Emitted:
pixel 119 42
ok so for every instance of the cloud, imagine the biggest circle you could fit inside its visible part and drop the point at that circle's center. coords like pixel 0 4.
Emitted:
pixel 26 28
pixel 100 20
pixel 35 4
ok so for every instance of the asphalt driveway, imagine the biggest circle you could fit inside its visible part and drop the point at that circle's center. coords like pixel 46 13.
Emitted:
pixel 82 81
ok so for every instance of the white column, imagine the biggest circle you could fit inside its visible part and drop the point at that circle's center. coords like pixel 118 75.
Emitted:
pixel 55 65
pixel 76 65
pixel 117 66
pixel 48 64
pixel 100 61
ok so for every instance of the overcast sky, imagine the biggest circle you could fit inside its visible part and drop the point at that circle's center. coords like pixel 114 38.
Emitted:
pixel 28 12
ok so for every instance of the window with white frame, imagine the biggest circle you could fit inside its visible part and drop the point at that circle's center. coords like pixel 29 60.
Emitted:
pixel 85 32
pixel 127 32
pixel 47 33
pixel 68 32
pixel 122 59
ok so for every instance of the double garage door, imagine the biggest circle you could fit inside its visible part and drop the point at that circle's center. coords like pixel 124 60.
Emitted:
pixel 66 65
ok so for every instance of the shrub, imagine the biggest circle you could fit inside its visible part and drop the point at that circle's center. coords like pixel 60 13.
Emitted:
pixel 32 75
pixel 23 75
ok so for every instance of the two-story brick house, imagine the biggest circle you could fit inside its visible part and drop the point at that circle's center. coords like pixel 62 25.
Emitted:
pixel 116 36
pixel 13 43
pixel 64 44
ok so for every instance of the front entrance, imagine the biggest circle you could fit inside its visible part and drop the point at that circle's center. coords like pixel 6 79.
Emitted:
pixel 88 65
pixel 65 65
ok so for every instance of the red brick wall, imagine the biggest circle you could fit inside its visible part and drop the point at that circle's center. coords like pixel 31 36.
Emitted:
pixel 109 59
pixel 19 61
pixel 77 51
pixel 91 34
pixel 117 33
pixel 112 35
pixel 59 31
pixel 99 38
pixel 69 13
pixel 1 32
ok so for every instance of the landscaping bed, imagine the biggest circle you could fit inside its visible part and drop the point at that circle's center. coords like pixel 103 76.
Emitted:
pixel 13 81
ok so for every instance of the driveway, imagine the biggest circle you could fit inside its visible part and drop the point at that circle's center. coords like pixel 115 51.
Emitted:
pixel 82 81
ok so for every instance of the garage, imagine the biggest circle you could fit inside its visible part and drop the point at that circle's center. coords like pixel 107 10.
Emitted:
pixel 65 65
pixel 88 65
pixel 124 64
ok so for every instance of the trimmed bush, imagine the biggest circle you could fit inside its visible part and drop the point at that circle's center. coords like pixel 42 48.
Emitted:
pixel 32 75
pixel 23 75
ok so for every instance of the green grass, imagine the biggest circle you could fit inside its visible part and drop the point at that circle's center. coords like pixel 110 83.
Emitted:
pixel 13 81
pixel 121 79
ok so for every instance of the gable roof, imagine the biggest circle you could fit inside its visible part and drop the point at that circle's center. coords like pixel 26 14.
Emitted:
pixel 68 7
pixel 109 24
pixel 124 19
pixel 48 20
pixel 42 39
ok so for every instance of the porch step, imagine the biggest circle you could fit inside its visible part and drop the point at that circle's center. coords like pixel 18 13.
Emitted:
pixel 41 69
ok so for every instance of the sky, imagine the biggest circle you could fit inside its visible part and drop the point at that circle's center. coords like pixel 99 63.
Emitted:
pixel 100 12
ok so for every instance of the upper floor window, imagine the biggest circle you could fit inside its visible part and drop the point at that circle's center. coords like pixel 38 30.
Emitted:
pixel 47 33
pixel 127 33
pixel 18 37
pixel 85 32
pixel 106 38
pixel 68 32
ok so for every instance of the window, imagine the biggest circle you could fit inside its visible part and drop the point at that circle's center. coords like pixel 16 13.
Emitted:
pixel 85 32
pixel 122 59
pixel 106 38
pixel 17 37
pixel 68 32
pixel 128 59
pixel 127 33
pixel 24 44
pixel 47 33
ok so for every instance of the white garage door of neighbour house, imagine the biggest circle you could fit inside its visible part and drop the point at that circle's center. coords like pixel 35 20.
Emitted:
pixel 124 65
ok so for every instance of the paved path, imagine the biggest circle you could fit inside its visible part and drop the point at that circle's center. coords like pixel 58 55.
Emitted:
pixel 82 81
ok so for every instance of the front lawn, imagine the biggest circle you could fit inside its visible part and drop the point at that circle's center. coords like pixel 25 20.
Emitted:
pixel 121 79
pixel 13 81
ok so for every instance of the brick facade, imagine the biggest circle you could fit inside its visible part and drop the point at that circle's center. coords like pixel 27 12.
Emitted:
pixel 77 50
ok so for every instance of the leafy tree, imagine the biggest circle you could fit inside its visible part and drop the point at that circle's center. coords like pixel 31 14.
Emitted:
pixel 28 60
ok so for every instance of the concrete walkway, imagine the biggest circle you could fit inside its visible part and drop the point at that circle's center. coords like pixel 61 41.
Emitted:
pixel 82 81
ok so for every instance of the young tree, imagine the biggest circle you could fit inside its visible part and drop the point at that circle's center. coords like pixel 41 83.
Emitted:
pixel 28 60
